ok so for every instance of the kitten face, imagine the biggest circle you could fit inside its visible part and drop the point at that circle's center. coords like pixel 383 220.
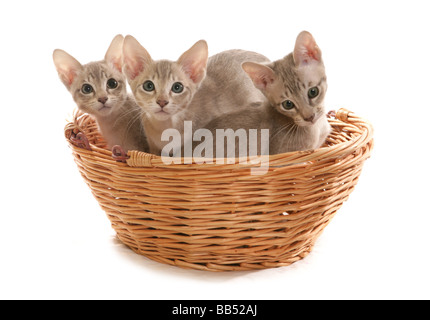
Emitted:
pixel 97 87
pixel 298 92
pixel 164 88
pixel 295 85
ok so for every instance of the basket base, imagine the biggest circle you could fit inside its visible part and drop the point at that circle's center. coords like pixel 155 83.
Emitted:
pixel 218 263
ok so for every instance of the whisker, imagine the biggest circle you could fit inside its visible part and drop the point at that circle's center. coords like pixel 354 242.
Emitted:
pixel 124 114
pixel 290 126
pixel 132 122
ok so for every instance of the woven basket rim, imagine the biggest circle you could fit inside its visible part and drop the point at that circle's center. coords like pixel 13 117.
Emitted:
pixel 143 159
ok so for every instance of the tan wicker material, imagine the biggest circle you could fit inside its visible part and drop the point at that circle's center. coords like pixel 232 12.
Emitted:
pixel 220 217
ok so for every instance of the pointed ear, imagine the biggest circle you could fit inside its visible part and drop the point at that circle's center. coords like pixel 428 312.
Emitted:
pixel 114 53
pixel 67 67
pixel 306 50
pixel 135 57
pixel 261 75
pixel 194 61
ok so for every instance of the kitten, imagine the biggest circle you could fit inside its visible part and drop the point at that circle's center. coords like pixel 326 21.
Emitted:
pixel 295 87
pixel 193 88
pixel 100 89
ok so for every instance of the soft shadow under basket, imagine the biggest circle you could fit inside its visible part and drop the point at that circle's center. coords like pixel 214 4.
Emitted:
pixel 220 217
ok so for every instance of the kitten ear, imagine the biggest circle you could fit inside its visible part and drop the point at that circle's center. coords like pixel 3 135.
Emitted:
pixel 135 57
pixel 261 75
pixel 194 61
pixel 306 49
pixel 114 53
pixel 67 67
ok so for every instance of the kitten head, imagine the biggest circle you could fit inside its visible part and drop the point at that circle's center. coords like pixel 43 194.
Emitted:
pixel 97 87
pixel 295 85
pixel 163 88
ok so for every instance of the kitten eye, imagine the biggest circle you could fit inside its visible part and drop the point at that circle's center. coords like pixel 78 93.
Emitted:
pixel 112 83
pixel 148 86
pixel 288 105
pixel 313 92
pixel 87 89
pixel 177 87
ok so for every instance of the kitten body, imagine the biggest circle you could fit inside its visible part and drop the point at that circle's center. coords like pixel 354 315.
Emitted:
pixel 100 89
pixel 294 113
pixel 210 87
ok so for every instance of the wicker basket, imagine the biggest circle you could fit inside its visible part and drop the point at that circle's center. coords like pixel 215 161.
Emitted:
pixel 220 217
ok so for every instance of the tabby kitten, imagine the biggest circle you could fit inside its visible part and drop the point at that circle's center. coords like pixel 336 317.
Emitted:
pixel 193 88
pixel 295 87
pixel 100 89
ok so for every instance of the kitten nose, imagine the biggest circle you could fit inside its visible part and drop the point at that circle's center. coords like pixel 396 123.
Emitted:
pixel 102 100
pixel 162 103
pixel 310 119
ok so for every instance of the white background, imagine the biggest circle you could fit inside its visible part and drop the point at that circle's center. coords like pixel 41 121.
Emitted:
pixel 56 242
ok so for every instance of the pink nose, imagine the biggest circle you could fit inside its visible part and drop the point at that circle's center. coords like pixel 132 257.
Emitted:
pixel 162 103
pixel 102 100
pixel 311 118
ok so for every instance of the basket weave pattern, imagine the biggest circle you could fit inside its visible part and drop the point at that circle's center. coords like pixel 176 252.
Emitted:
pixel 220 217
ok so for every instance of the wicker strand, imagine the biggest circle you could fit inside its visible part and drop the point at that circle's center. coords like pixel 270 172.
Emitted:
pixel 342 114
pixel 139 159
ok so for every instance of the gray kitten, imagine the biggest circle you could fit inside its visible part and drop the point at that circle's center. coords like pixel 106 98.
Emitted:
pixel 294 114
pixel 100 89
pixel 193 88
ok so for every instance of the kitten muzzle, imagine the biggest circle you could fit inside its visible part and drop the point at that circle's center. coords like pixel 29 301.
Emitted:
pixel 310 118
pixel 309 121
pixel 103 100
pixel 162 115
pixel 162 103
pixel 104 108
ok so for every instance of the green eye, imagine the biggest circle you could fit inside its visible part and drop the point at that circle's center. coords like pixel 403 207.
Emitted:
pixel 112 83
pixel 148 86
pixel 313 92
pixel 288 105
pixel 87 89
pixel 177 87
